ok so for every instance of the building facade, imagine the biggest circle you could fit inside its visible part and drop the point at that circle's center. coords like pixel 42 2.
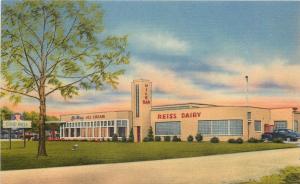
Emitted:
pixel 180 120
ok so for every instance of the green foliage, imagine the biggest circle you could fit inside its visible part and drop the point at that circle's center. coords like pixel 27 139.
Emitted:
pixel 231 140
pixel 157 138
pixel 167 138
pixel 289 175
pixel 58 44
pixel 190 138
pixel 199 137
pixel 253 140
pixel 107 152
pixel 114 138
pixel 50 46
pixel 214 140
pixel 150 135
pixel 131 136
pixel 176 139
pixel 277 140
pixel 239 140
pixel 146 139
pixel 123 139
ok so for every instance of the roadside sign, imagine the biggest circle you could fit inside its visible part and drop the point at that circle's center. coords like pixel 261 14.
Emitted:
pixel 16 124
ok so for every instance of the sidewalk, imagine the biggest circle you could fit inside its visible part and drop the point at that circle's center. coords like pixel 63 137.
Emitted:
pixel 216 169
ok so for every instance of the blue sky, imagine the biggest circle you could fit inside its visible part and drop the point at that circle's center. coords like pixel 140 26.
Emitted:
pixel 201 51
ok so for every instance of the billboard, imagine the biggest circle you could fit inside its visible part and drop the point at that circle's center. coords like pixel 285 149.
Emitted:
pixel 16 124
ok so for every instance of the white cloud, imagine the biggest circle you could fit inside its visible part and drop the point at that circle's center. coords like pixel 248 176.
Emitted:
pixel 159 42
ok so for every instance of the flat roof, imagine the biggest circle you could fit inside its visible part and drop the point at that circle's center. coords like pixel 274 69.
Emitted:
pixel 96 112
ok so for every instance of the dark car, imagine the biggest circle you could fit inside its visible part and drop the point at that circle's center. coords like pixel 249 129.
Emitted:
pixel 285 134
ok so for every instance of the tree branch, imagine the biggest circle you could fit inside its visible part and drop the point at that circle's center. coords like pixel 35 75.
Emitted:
pixel 17 92
pixel 84 77
pixel 67 35
pixel 52 68
pixel 25 52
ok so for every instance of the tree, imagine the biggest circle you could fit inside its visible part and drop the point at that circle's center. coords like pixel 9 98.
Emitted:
pixel 6 114
pixel 52 47
pixel 131 136
pixel 150 134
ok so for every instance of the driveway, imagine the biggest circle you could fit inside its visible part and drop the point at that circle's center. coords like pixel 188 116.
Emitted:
pixel 216 169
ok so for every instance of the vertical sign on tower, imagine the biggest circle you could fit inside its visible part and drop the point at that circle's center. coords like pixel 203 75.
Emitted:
pixel 141 106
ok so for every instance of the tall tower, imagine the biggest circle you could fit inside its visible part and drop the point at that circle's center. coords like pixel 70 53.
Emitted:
pixel 141 103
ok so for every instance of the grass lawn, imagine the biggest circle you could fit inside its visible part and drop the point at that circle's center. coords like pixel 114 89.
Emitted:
pixel 61 154
pixel 289 175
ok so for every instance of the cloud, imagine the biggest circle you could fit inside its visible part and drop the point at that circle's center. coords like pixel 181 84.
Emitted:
pixel 277 72
pixel 161 42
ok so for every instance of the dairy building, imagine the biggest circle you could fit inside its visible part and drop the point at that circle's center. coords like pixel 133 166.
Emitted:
pixel 179 120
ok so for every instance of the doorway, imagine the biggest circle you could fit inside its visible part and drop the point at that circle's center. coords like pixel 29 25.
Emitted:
pixel 138 132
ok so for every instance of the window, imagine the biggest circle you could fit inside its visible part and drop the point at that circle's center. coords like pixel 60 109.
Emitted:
pixel 248 115
pixel 257 125
pixel 167 128
pixel 121 131
pixel 236 127
pixel 121 123
pixel 204 127
pixel 296 126
pixel 137 100
pixel 280 124
pixel 220 127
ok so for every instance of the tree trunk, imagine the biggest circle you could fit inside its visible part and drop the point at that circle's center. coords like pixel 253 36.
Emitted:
pixel 42 119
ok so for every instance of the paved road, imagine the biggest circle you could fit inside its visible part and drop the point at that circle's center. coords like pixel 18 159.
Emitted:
pixel 216 169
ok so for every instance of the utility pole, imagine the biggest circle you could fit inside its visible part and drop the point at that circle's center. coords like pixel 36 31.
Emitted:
pixel 247 100
pixel 247 107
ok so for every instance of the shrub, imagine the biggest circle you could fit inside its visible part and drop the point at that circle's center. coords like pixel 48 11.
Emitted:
pixel 108 140
pixel 114 138
pixel 157 138
pixel 190 138
pixel 214 140
pixel 175 139
pixel 179 139
pixel 146 139
pixel 253 140
pixel 239 140
pixel 131 136
pixel 199 137
pixel 150 134
pixel 277 140
pixel 123 139
pixel 231 141
pixel 167 138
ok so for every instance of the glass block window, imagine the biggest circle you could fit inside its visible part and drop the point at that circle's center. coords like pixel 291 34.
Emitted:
pixel 167 128
pixel 204 127
pixel 257 125
pixel 280 124
pixel 236 127
pixel 220 127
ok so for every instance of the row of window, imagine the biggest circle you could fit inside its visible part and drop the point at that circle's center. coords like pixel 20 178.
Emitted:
pixel 120 123
pixel 217 127
pixel 205 127
pixel 220 127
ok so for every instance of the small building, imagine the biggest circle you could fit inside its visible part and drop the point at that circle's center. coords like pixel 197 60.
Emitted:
pixel 180 120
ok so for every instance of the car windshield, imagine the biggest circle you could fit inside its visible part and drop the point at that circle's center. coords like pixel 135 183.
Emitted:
pixel 290 131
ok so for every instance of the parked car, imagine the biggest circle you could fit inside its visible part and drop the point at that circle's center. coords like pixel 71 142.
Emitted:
pixel 285 134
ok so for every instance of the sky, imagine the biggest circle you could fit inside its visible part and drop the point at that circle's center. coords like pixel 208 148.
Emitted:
pixel 199 52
